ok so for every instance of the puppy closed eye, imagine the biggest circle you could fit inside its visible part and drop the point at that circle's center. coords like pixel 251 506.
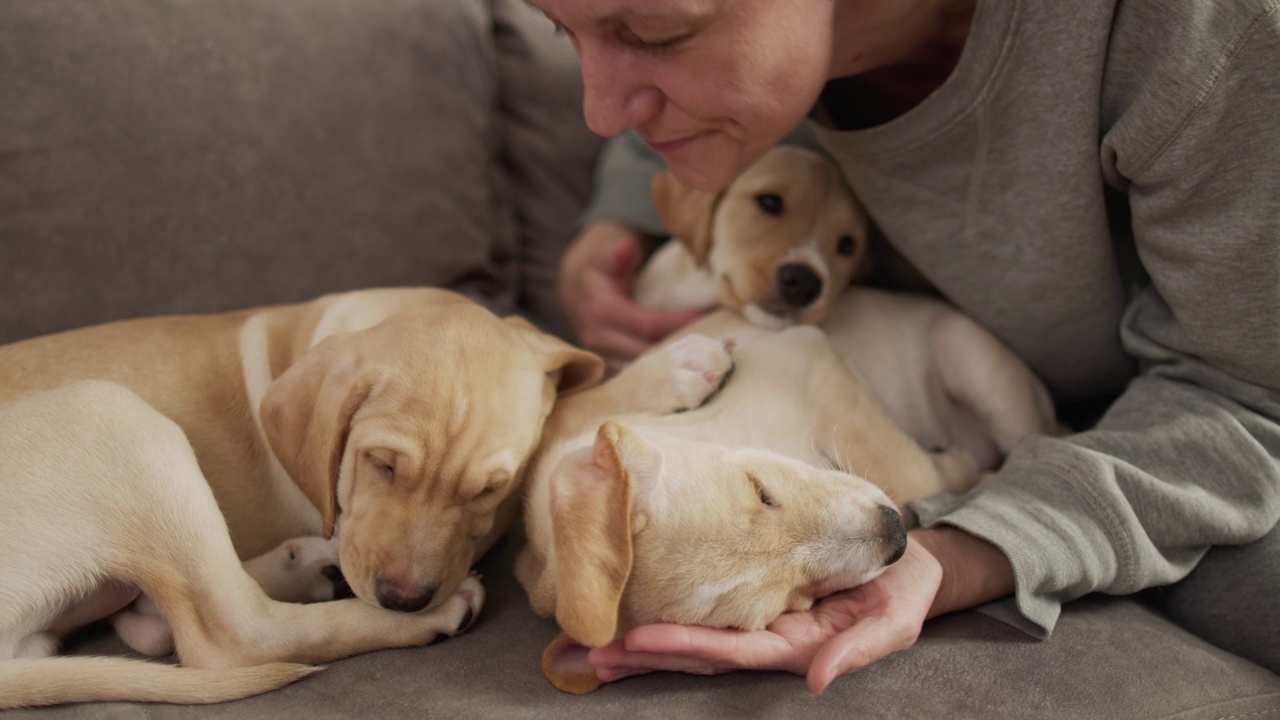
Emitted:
pixel 762 494
pixel 383 467
pixel 496 484
pixel 771 203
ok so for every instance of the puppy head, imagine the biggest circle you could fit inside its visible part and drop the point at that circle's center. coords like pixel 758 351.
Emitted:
pixel 666 530
pixel 410 434
pixel 781 242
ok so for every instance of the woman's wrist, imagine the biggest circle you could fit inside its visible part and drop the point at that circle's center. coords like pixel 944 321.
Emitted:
pixel 973 570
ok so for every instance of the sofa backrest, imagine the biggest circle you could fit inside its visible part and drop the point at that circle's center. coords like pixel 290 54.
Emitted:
pixel 160 157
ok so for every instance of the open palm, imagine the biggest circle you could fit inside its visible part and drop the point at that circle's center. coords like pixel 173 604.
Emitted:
pixel 841 633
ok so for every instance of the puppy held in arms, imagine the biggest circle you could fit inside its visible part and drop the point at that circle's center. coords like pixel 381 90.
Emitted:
pixel 781 245
pixel 646 504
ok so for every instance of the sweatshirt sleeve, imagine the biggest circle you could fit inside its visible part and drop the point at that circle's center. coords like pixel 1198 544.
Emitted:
pixel 1186 458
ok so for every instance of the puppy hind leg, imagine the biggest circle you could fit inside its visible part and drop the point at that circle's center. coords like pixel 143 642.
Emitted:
pixel 222 618
pixel 852 428
pixel 989 384
pixel 300 570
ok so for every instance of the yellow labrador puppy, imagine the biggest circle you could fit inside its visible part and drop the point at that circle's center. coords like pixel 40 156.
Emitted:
pixel 102 497
pixel 780 247
pixel 399 419
pixel 777 492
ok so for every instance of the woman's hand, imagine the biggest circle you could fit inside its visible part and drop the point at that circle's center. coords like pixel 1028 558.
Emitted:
pixel 842 633
pixel 594 288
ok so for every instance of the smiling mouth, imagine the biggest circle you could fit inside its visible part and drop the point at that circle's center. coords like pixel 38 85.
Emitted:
pixel 665 147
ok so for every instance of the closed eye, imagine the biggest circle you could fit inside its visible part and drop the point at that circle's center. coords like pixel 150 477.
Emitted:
pixel 765 498
pixel 385 469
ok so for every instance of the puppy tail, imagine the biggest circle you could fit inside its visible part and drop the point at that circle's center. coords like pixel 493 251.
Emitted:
pixel 71 679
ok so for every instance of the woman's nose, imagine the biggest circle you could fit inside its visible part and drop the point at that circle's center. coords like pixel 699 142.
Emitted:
pixel 616 95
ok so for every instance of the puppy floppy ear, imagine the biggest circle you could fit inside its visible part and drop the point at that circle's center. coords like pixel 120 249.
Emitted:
pixel 564 664
pixel 306 415
pixel 572 367
pixel 591 529
pixel 686 212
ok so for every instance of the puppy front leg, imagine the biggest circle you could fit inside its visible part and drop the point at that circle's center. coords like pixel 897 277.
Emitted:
pixel 680 375
pixel 322 632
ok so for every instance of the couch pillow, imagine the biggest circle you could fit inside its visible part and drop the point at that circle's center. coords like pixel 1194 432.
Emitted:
pixel 160 156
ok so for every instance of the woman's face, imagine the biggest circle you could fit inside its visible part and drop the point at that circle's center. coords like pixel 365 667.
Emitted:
pixel 709 84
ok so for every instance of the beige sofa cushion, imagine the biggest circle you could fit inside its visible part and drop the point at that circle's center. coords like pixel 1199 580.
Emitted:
pixel 162 157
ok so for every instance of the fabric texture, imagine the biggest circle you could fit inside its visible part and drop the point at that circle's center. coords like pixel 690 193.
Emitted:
pixel 160 157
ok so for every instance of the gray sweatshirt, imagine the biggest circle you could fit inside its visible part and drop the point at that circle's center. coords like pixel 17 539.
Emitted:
pixel 1098 183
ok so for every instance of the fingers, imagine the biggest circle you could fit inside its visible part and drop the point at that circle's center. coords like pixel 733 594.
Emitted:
pixel 594 289
pixel 887 617
pixel 612 325
pixel 867 642
pixel 698 650
pixel 628 256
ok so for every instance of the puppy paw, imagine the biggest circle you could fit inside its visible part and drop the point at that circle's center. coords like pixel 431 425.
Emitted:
pixel 699 368
pixel 957 469
pixel 304 569
pixel 457 614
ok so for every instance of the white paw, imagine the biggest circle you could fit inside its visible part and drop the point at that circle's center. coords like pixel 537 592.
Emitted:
pixel 304 569
pixel 699 366
pixel 462 609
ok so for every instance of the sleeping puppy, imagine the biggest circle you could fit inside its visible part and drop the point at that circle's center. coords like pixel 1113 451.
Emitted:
pixel 779 491
pixel 942 377
pixel 404 416
pixel 101 499
pixel 398 420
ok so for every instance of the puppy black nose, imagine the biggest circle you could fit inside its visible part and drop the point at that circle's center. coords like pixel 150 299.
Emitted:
pixel 895 533
pixel 341 589
pixel 392 596
pixel 798 284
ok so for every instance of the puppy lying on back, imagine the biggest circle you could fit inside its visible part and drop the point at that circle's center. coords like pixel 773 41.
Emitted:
pixel 777 492
pixel 780 246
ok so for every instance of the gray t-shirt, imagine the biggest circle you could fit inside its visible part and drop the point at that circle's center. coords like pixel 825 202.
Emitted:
pixel 1098 183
